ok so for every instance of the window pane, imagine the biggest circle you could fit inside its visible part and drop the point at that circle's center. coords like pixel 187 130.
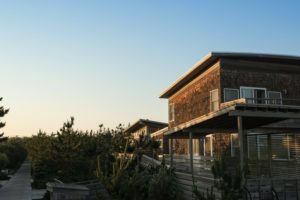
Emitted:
pixel 259 96
pixel 291 139
pixel 275 97
pixel 248 94
pixel 234 144
pixel 230 94
pixel 262 147
pixel 207 146
pixel 252 147
pixel 279 146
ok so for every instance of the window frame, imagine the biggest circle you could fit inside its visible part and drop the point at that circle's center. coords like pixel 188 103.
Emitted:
pixel 210 136
pixel 268 92
pixel 224 95
pixel 171 112
pixel 289 144
pixel 253 88
pixel 232 147
pixel 211 102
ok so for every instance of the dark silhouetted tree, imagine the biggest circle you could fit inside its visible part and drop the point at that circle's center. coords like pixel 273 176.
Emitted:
pixel 3 112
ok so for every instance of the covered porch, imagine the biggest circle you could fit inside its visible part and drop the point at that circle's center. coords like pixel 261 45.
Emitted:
pixel 263 140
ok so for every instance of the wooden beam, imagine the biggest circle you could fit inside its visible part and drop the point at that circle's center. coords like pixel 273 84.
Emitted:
pixel 191 153
pixel 242 147
pixel 205 131
pixel 171 153
pixel 270 154
pixel 269 114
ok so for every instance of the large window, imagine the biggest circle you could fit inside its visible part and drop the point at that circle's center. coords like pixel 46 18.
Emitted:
pixel 230 94
pixel 171 112
pixel 284 146
pixel 214 100
pixel 257 147
pixel 254 95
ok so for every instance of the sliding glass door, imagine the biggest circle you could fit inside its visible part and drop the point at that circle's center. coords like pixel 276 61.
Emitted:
pixel 254 95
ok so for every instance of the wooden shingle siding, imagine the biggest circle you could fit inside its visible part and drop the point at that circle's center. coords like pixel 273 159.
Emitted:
pixel 193 100
pixel 272 76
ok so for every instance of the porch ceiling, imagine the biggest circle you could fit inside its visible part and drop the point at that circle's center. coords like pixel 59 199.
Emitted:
pixel 225 120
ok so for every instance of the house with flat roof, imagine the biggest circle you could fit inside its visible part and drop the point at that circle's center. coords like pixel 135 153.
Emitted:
pixel 244 103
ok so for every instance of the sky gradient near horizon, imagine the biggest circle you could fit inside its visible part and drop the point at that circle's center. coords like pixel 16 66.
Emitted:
pixel 108 61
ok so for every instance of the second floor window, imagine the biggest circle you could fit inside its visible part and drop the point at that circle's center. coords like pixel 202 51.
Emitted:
pixel 274 97
pixel 230 94
pixel 284 146
pixel 171 112
pixel 214 100
pixel 254 95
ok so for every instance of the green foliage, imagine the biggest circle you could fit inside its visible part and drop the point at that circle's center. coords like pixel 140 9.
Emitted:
pixel 109 155
pixel 71 155
pixel 163 185
pixel 3 161
pixel 14 148
pixel 209 195
pixel 134 186
pixel 3 112
pixel 228 180
pixel 119 167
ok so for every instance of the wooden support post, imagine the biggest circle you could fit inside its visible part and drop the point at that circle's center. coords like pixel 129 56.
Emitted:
pixel 191 152
pixel 171 152
pixel 243 147
pixel 270 154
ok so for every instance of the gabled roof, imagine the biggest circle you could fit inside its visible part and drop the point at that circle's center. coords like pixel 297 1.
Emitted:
pixel 145 122
pixel 213 57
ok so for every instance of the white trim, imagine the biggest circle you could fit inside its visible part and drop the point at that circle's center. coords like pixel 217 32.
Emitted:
pixel 238 92
pixel 210 136
pixel 210 99
pixel 172 106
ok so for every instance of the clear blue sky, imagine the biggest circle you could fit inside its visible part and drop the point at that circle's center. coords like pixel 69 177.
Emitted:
pixel 107 61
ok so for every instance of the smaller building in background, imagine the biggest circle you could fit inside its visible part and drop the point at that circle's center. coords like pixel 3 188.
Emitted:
pixel 145 127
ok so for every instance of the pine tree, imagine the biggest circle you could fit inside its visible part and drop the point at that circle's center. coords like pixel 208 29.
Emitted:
pixel 2 124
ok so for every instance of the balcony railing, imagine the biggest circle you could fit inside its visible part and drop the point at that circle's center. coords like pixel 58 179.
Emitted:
pixel 271 101
pixel 262 101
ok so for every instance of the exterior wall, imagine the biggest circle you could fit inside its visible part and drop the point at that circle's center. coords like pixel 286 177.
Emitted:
pixel 272 76
pixel 139 132
pixel 193 100
pixel 153 129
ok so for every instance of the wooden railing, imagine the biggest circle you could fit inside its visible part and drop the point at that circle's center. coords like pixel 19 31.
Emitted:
pixel 272 101
pixel 201 164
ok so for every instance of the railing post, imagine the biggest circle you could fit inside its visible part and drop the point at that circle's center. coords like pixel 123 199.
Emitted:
pixel 270 154
pixel 191 152
pixel 243 147
pixel 171 152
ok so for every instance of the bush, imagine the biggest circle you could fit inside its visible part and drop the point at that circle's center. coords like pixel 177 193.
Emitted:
pixel 15 152
pixel 163 185
pixel 3 161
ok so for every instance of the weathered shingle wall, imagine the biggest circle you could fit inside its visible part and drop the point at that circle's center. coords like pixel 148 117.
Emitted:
pixel 193 100
pixel 272 76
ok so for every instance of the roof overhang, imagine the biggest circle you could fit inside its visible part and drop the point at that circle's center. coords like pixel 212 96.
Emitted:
pixel 225 120
pixel 142 123
pixel 213 57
